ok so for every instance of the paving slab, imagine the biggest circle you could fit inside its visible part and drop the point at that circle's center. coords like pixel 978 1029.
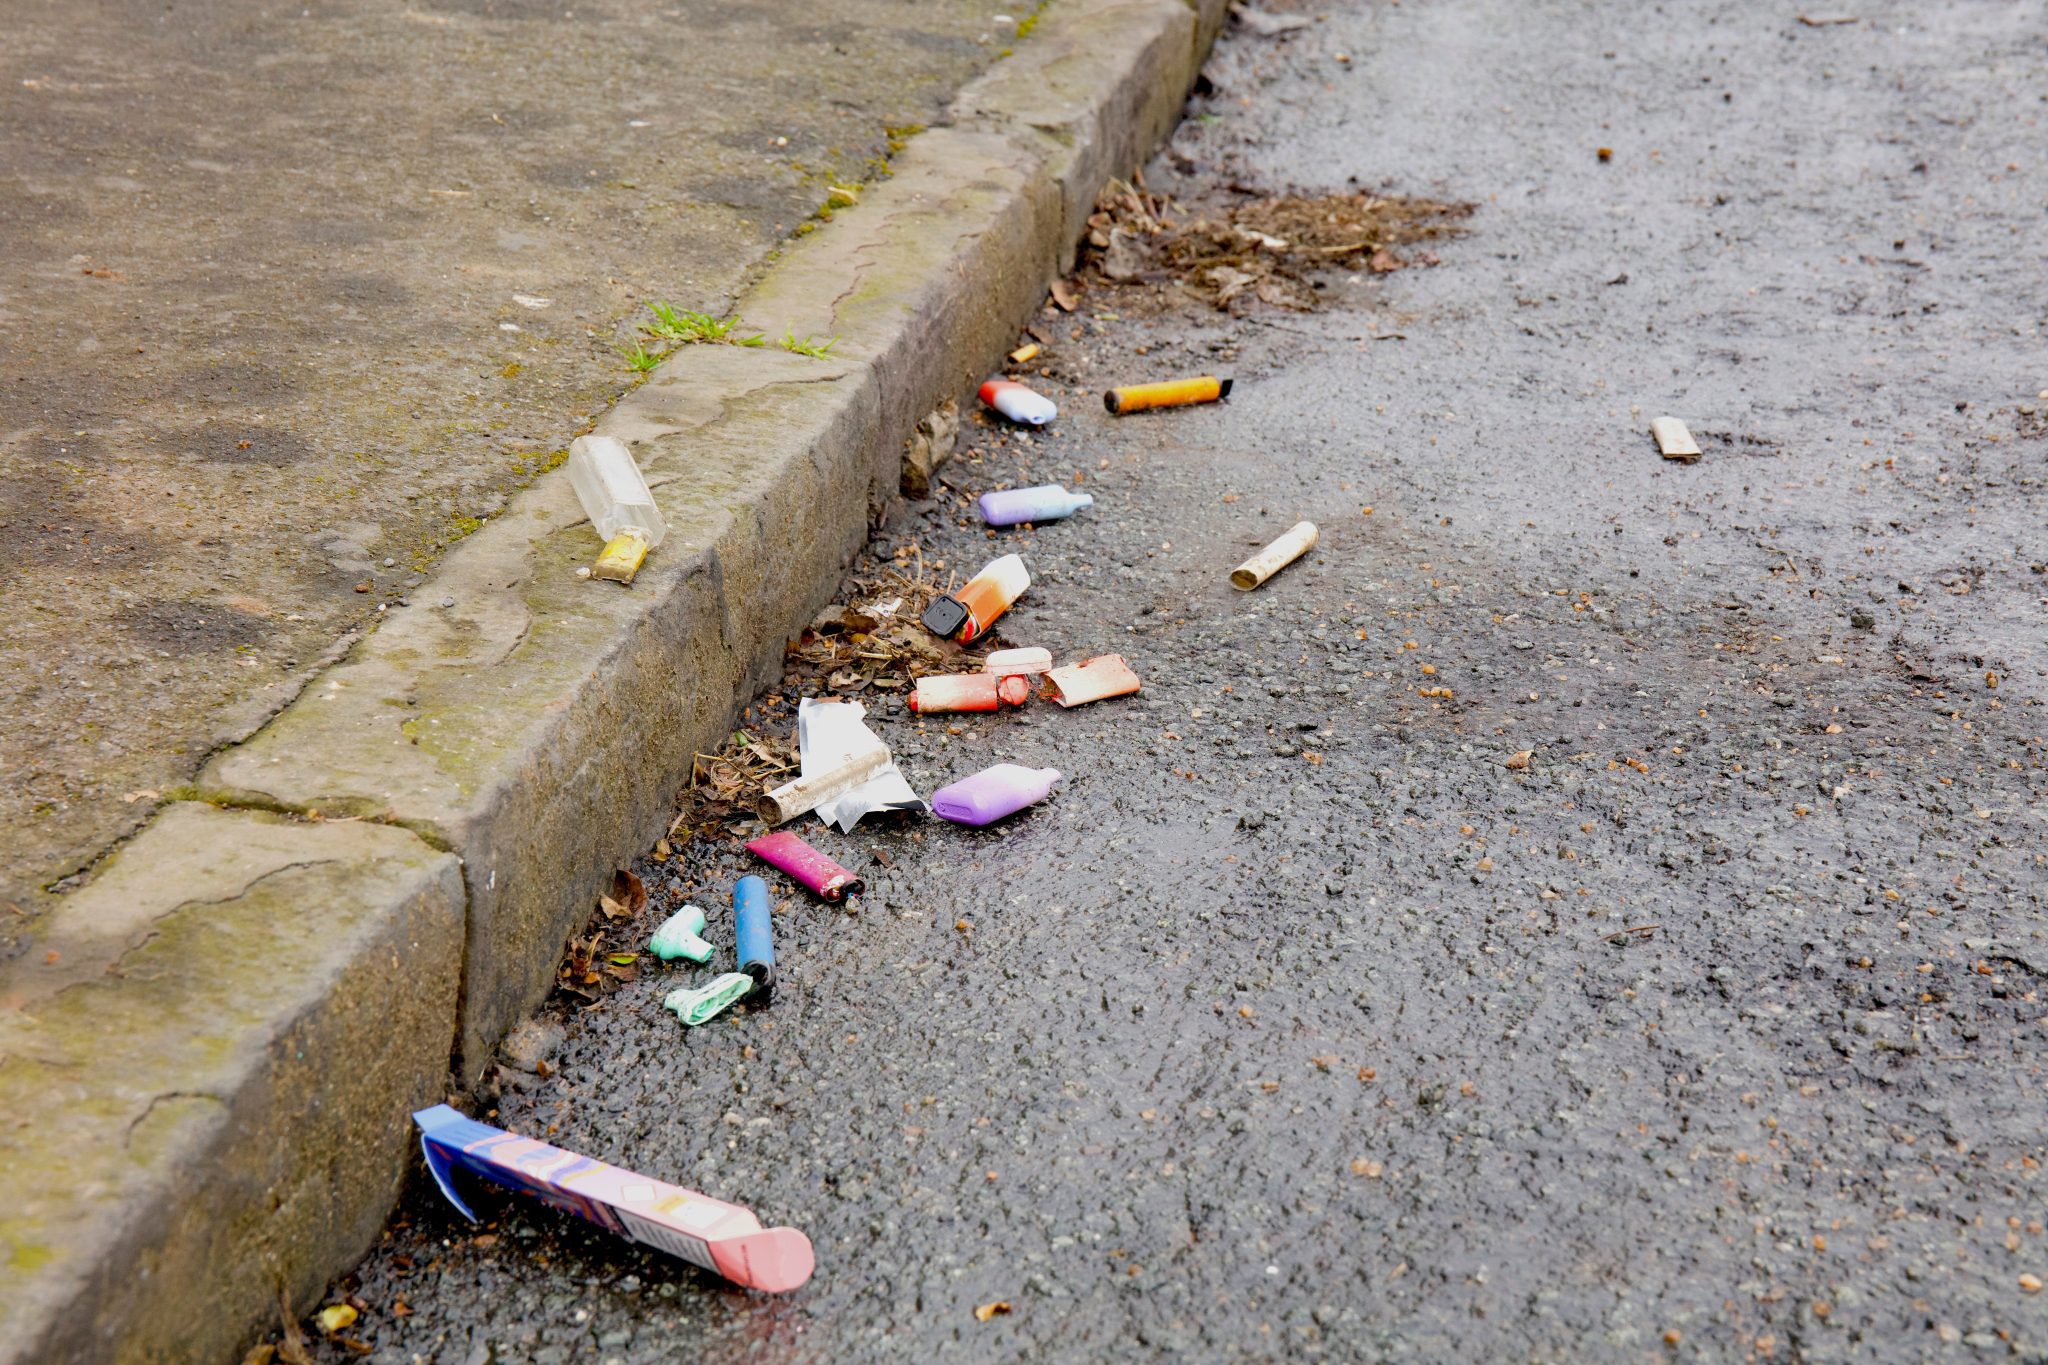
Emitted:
pixel 292 298
pixel 206 1061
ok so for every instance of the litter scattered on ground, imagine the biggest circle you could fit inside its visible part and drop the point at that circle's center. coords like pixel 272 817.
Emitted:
pixel 829 733
pixel 1674 439
pixel 1024 662
pixel 1267 249
pixel 681 935
pixel 616 499
pixel 1015 506
pixel 701 1004
pixel 941 693
pixel 1299 540
pixel 725 786
pixel 972 608
pixel 720 1237
pixel 820 874
pixel 754 934
pixel 1170 393
pixel 984 1312
pixel 1827 20
pixel 1026 353
pixel 1096 679
pixel 992 793
pixel 1018 403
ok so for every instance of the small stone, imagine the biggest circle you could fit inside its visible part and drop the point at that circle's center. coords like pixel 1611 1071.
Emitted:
pixel 390 563
pixel 1862 620
pixel 2030 1283
pixel 447 601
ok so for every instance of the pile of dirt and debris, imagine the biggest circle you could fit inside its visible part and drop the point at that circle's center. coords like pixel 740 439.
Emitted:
pixel 1263 248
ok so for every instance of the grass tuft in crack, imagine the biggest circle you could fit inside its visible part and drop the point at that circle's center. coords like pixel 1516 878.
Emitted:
pixel 809 346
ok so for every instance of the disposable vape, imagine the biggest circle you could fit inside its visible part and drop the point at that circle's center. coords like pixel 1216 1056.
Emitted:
pixel 980 600
pixel 1096 679
pixel 753 934
pixel 968 692
pixel 1173 393
pixel 816 871
pixel 1010 506
pixel 1018 403
pixel 680 936
pixel 1297 542
pixel 992 793
pixel 1007 663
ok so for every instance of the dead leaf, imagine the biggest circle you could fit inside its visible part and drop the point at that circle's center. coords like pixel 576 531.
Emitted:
pixel 629 890
pixel 1025 353
pixel 1383 262
pixel 1063 295
pixel 989 1310
pixel 612 909
pixel 260 1354
pixel 336 1318
pixel 292 1349
pixel 1521 760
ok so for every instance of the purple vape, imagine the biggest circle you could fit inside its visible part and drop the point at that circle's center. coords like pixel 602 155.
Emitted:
pixel 992 793
pixel 1049 502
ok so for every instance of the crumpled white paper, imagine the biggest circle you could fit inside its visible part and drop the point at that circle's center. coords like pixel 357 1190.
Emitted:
pixel 830 732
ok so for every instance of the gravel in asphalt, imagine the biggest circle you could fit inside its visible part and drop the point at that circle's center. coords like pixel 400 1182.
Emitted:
pixel 1304 1019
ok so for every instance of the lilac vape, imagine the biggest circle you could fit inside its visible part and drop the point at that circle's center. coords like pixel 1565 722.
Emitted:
pixel 992 793
pixel 1048 502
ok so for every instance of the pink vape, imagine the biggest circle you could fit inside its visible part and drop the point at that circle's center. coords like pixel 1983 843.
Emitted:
pixel 992 793
pixel 816 871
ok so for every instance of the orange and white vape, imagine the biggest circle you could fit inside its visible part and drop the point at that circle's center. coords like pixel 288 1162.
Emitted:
pixel 980 600
pixel 1018 403
pixel 1173 393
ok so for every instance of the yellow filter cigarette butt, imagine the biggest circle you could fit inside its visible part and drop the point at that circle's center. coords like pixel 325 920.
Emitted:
pixel 1274 557
pixel 622 557
pixel 1173 393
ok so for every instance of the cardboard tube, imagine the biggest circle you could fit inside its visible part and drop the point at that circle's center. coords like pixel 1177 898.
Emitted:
pixel 1274 557
pixel 792 799
pixel 1173 393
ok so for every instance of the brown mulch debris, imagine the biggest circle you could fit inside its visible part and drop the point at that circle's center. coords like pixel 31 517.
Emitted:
pixel 1263 249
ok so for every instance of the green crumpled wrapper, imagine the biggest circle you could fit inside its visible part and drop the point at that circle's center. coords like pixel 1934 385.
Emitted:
pixel 706 1003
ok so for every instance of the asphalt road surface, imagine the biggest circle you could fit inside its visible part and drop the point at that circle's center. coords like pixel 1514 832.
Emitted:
pixel 1301 1021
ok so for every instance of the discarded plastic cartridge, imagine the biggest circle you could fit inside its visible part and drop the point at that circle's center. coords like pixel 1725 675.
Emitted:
pixel 1275 557
pixel 980 600
pixel 618 503
pixel 968 692
pixel 992 793
pixel 1012 506
pixel 1173 393
pixel 816 871
pixel 722 1238
pixel 754 934
pixel 1006 663
pixel 1096 679
pixel 1018 403
pixel 680 935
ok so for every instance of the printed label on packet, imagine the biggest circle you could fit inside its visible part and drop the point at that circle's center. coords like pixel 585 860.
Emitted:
pixel 664 1238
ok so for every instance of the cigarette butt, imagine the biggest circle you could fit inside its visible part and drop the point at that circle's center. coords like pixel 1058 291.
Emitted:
pixel 1674 440
pixel 1028 351
pixel 622 557
pixel 1172 393
pixel 792 799
pixel 1274 557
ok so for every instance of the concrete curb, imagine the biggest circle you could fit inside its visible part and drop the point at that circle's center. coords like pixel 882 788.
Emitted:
pixel 498 748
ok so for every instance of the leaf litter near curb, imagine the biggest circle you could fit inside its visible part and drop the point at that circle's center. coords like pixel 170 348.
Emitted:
pixel 1263 249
